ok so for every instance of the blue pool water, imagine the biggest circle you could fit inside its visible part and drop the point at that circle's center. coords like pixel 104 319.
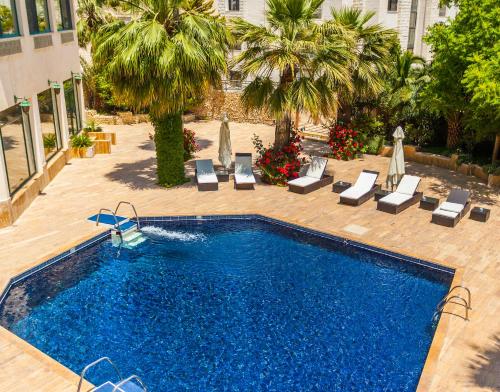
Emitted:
pixel 240 305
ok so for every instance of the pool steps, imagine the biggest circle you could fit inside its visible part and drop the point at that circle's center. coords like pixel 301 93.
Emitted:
pixel 125 232
pixel 129 384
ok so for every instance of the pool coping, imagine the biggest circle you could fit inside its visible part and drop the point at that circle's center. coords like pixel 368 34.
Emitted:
pixel 430 364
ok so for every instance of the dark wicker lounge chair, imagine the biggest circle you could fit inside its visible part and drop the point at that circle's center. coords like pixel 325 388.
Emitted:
pixel 456 206
pixel 405 196
pixel 205 175
pixel 243 174
pixel 362 191
pixel 314 179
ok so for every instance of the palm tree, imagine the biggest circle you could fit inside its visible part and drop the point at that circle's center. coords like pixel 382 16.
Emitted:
pixel 91 17
pixel 407 78
pixel 296 63
pixel 372 46
pixel 169 53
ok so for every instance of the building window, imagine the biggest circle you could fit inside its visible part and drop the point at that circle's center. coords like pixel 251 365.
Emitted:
pixel 8 19
pixel 442 11
pixel 234 5
pixel 63 15
pixel 413 25
pixel 392 6
pixel 72 106
pixel 49 118
pixel 38 16
pixel 17 147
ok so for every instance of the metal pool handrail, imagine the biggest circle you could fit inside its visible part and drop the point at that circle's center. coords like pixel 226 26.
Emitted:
pixel 133 208
pixel 448 299
pixel 132 377
pixel 90 365
pixel 112 213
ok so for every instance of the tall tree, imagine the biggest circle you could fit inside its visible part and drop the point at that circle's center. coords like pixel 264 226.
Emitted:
pixel 465 78
pixel 169 53
pixel 296 63
pixel 372 46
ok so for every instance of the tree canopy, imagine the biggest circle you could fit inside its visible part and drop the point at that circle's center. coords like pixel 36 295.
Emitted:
pixel 465 83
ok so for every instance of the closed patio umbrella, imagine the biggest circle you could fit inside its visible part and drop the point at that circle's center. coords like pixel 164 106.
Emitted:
pixel 397 164
pixel 225 152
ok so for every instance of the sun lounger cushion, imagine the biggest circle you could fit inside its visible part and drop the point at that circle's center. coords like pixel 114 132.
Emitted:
pixel 317 167
pixel 408 185
pixel 363 184
pixel 243 173
pixel 303 181
pixel 452 207
pixel 205 173
pixel 449 214
pixel 396 198
pixel 458 196
pixel 244 178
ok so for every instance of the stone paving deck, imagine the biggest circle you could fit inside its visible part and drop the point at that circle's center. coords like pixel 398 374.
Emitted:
pixel 469 360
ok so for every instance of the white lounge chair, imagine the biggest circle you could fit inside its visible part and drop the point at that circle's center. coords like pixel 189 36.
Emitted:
pixel 314 178
pixel 205 175
pixel 453 209
pixel 243 173
pixel 362 190
pixel 405 195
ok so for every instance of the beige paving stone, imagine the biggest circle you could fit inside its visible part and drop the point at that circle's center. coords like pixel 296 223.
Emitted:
pixel 56 220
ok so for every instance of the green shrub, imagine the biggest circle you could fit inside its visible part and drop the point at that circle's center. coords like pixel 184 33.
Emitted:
pixel 190 145
pixel 92 126
pixel 368 125
pixel 81 141
pixel 374 144
pixel 493 169
pixel 418 135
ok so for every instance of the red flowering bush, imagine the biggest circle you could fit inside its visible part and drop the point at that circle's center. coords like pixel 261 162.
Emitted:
pixel 344 143
pixel 190 145
pixel 278 166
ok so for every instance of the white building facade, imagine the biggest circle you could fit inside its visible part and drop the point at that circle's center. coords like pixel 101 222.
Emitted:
pixel 410 18
pixel 41 97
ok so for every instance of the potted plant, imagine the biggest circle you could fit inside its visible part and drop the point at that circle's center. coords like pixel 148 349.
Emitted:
pixel 92 126
pixel 82 146
pixel 49 143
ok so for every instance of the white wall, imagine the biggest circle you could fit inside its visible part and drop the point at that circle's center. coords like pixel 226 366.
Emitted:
pixel 27 73
pixel 428 14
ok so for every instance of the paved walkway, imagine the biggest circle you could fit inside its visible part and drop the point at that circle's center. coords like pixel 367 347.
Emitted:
pixel 470 357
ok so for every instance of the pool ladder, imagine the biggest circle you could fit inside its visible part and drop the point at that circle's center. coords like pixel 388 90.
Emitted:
pixel 132 383
pixel 454 297
pixel 115 213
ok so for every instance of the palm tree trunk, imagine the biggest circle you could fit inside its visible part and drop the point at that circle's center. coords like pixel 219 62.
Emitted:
pixel 169 140
pixel 282 132
pixel 496 149
pixel 453 138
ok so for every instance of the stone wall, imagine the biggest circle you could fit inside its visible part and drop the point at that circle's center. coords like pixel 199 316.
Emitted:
pixel 218 102
pixel 121 118
pixel 450 163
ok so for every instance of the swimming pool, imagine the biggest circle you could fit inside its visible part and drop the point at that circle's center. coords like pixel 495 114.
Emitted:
pixel 234 303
